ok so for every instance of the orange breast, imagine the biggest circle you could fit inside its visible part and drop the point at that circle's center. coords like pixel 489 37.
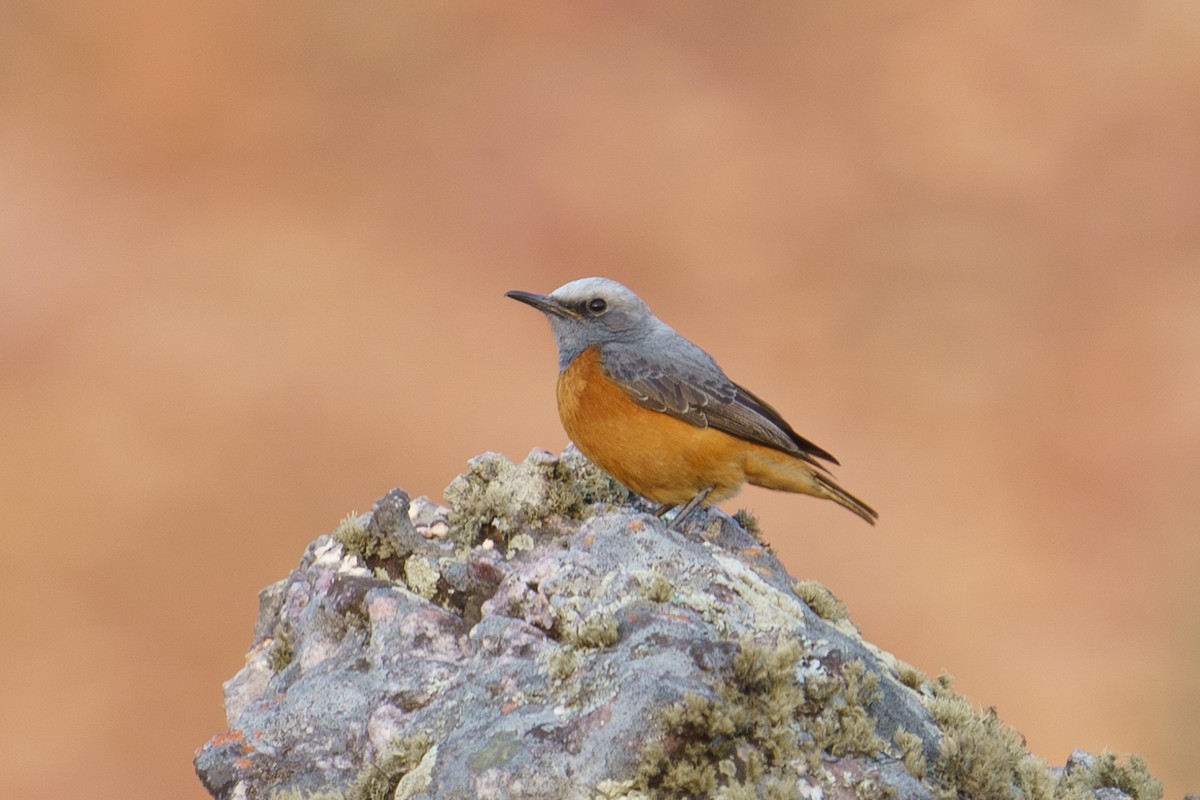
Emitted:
pixel 656 455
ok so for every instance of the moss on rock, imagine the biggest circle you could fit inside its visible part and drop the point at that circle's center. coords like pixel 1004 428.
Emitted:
pixel 740 736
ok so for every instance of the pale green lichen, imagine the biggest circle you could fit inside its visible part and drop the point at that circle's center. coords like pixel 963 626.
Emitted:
pixel 378 780
pixel 979 756
pixel 296 794
pixel 358 618
pixel 749 523
pixel 422 576
pixel 1106 770
pixel 417 779
pixel 522 541
pixel 982 758
pixel 496 499
pixel 726 743
pixel 912 753
pixel 594 633
pixel 866 787
pixel 820 600
pixel 589 484
pixel 838 711
pixel 365 544
pixel 349 527
pixel 561 663
pixel 656 588
pixel 618 790
pixel 910 676
pixel 283 648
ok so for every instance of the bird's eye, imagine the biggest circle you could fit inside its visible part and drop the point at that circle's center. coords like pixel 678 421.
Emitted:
pixel 597 305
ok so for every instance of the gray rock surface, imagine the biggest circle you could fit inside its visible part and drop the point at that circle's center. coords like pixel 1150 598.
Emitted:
pixel 545 637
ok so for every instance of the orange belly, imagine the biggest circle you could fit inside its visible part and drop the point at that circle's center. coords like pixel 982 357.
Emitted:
pixel 662 458
pixel 670 461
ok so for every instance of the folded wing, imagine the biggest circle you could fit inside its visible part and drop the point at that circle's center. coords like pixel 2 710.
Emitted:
pixel 690 386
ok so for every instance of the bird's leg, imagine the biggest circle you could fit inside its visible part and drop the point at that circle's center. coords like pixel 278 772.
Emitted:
pixel 688 508
pixel 662 509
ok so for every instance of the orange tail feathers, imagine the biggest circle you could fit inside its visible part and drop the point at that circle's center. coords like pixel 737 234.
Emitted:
pixel 775 470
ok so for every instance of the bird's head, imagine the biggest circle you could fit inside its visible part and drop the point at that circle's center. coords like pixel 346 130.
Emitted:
pixel 590 311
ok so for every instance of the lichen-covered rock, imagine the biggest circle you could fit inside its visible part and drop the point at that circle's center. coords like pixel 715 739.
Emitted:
pixel 547 638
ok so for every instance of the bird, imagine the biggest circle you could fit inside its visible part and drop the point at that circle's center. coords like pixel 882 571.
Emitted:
pixel 656 412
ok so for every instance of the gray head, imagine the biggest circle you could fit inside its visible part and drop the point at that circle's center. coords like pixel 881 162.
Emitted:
pixel 591 311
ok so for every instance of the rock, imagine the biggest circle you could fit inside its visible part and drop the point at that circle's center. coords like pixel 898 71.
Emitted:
pixel 545 637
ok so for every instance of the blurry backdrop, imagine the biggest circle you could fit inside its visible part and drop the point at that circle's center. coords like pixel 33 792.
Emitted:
pixel 252 265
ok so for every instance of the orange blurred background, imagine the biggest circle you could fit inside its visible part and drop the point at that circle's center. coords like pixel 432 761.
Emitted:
pixel 252 264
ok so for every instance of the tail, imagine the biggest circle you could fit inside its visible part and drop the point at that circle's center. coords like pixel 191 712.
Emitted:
pixel 773 469
pixel 843 498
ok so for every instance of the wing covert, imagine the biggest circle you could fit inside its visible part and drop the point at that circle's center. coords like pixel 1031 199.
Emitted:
pixel 691 387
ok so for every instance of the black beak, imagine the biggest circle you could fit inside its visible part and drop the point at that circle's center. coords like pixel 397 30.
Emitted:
pixel 547 305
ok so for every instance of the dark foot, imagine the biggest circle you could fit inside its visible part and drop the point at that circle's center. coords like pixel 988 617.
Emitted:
pixel 688 508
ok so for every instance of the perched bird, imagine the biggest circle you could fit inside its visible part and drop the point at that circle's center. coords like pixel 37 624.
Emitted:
pixel 656 412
